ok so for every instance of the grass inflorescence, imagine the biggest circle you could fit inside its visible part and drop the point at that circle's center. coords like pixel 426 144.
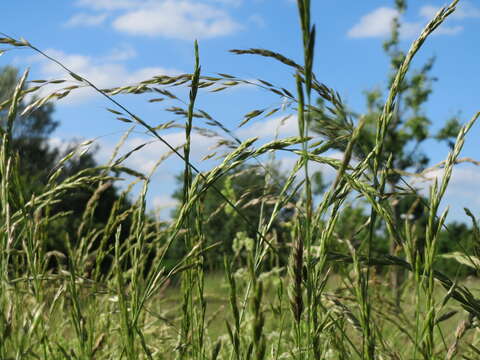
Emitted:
pixel 293 285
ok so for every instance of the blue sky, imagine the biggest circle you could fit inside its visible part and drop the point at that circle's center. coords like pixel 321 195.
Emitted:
pixel 116 42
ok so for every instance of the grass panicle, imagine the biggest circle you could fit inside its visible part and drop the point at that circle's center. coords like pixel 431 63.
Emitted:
pixel 298 280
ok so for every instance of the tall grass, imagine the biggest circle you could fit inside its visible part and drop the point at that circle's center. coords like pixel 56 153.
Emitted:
pixel 324 303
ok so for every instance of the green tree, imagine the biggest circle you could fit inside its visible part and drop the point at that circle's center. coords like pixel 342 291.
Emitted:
pixel 246 188
pixel 409 128
pixel 30 133
pixel 36 159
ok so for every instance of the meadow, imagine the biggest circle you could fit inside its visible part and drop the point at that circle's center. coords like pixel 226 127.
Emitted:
pixel 303 281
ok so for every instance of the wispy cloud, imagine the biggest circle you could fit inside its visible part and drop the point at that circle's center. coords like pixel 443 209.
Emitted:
pixel 105 72
pixel 145 159
pixel 227 2
pixel 108 4
pixel 287 163
pixel 178 20
pixel 257 20
pixel 121 53
pixel 375 24
pixel 175 19
pixel 164 202
pixel 378 22
pixel 465 10
pixel 429 11
pixel 83 19
pixel 449 30
pixel 461 192
pixel 268 128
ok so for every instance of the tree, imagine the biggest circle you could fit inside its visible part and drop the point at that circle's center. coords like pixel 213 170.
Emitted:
pixel 36 159
pixel 409 128
pixel 30 133
pixel 246 188
pixel 407 131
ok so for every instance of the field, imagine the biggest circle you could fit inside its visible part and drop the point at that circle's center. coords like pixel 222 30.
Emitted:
pixel 305 274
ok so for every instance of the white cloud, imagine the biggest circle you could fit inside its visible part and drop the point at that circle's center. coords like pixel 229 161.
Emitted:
pixel 375 24
pixel 448 30
pixel 83 19
pixel 58 143
pixel 176 19
pixel 429 11
pixel 184 20
pixel 288 162
pixel 107 4
pixel 464 183
pixel 164 202
pixel 463 177
pixel 410 29
pixel 465 10
pixel 257 20
pixel 268 128
pixel 121 53
pixel 130 4
pixel 461 192
pixel 145 159
pixel 378 22
pixel 162 206
pixel 228 2
pixel 103 72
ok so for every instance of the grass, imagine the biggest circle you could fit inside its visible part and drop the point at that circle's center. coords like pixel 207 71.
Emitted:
pixel 323 304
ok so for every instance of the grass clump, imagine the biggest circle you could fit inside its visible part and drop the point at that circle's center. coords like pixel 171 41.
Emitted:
pixel 297 280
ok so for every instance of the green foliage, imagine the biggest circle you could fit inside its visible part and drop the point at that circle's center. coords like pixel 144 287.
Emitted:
pixel 456 238
pixel 37 160
pixel 409 127
pixel 247 189
pixel 30 134
pixel 407 130
pixel 326 302
pixel 449 131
